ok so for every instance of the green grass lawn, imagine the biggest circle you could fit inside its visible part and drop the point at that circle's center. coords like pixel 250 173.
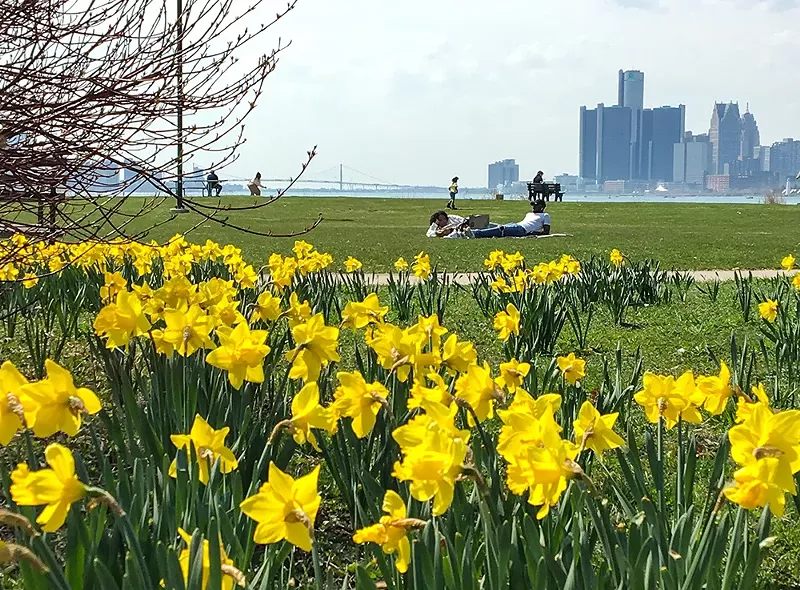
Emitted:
pixel 378 231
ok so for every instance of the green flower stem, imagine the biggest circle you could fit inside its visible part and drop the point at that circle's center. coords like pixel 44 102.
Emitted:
pixel 317 569
pixel 662 501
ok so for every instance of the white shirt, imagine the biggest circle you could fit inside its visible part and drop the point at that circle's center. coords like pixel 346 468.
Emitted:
pixel 535 222
pixel 453 221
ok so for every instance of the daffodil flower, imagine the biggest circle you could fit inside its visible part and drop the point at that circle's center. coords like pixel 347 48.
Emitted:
pixel 209 445
pixel 285 508
pixel 56 488
pixel 60 406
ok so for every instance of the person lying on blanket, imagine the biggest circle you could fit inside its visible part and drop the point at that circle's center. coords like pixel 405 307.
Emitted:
pixel 445 225
pixel 535 223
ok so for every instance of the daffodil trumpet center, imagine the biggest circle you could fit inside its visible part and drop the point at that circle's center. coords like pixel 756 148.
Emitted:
pixel 767 452
pixel 76 405
pixel 287 424
pixel 15 406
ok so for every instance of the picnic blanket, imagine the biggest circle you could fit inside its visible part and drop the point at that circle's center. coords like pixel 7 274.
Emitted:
pixel 543 237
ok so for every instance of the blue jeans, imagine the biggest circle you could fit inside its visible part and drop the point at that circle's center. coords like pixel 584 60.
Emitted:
pixel 512 230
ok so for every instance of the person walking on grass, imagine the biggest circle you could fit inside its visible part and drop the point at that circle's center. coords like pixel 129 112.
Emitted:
pixel 451 204
pixel 255 185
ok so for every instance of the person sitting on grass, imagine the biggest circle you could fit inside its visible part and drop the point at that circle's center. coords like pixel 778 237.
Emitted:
pixel 535 223
pixel 444 225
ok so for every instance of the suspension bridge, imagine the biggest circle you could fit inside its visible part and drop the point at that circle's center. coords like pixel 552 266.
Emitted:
pixel 340 177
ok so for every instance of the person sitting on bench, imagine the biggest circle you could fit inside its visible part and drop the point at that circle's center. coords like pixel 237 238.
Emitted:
pixel 535 223
pixel 213 183
pixel 443 225
pixel 538 182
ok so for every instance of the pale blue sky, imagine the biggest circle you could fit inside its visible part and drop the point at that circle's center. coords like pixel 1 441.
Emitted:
pixel 421 90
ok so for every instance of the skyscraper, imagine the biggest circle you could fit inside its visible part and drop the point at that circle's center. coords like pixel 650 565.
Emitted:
pixel 692 159
pixel 631 89
pixel 661 129
pixel 614 147
pixel 725 135
pixel 587 155
pixel 785 159
pixel 630 93
pixel 503 173
pixel 751 138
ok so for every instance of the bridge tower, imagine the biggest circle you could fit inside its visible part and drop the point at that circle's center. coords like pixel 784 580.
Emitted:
pixel 340 176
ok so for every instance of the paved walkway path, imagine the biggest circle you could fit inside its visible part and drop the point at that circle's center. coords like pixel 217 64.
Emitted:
pixel 700 276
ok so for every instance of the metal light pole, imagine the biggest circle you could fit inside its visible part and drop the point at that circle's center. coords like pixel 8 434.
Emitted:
pixel 179 65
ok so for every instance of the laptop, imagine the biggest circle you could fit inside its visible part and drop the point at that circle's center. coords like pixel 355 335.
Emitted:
pixel 478 221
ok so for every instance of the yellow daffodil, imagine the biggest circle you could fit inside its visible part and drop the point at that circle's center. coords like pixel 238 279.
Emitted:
pixel 241 352
pixel 56 488
pixel 267 308
pixel 226 313
pixel 429 330
pixel 539 460
pixel 716 389
pixel 511 262
pixel 670 398
pixel 458 356
pixel 422 266
pixel 573 368
pixel 161 345
pixel 754 486
pixel 30 280
pixel 246 276
pixel 420 393
pixel 60 406
pixel 231 576
pixel 401 350
pixel 391 532
pixel 401 264
pixel 477 388
pixel 359 400
pixel 788 262
pixel 769 310
pixel 14 405
pixel 744 406
pixel 285 508
pixel 307 413
pixel 122 320
pixel 155 308
pixel 209 445
pixel 524 419
pixel 316 346
pixel 188 331
pixel 595 431
pixel 507 322
pixel 769 435
pixel 8 272
pixel 352 264
pixel 360 314
pixel 298 312
pixel 432 467
pixel 500 285
pixel 512 374
pixel 616 257
pixel 494 260
pixel 302 249
pixel 114 283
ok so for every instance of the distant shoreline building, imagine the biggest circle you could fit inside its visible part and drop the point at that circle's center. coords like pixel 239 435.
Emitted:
pixel 503 173
pixel 725 135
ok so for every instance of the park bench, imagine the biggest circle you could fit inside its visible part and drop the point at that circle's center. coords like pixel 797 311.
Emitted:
pixel 544 190
pixel 46 212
